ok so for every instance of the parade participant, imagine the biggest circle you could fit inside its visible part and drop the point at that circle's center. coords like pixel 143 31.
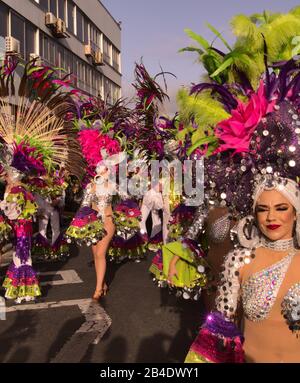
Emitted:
pixel 49 193
pixel 93 224
pixel 33 138
pixel 179 263
pixel 258 286
pixel 130 240
pixel 21 282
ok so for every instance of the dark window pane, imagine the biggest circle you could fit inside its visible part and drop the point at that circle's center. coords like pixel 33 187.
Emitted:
pixel 30 39
pixel 52 52
pixel 3 20
pixel 17 31
pixel 79 25
pixel 53 7
pixel 106 50
pixel 70 17
pixel 44 5
pixel 61 9
pixel 59 62
pixel 45 55
pixel 85 31
pixel 41 44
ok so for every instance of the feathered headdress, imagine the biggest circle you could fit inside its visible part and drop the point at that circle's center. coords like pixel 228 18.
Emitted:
pixel 270 144
pixel 34 135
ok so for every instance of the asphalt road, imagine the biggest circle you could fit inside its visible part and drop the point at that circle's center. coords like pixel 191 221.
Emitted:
pixel 136 321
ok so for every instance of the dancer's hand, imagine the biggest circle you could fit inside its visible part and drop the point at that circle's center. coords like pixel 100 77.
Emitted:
pixel 172 273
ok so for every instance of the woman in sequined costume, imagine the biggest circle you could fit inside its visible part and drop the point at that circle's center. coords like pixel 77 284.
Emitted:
pixel 258 296
pixel 93 223
pixel 130 240
pixel 263 277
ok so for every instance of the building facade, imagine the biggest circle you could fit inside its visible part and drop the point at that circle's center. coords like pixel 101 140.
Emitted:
pixel 79 36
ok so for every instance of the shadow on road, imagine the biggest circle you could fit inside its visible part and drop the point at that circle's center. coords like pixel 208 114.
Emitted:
pixel 161 347
pixel 22 329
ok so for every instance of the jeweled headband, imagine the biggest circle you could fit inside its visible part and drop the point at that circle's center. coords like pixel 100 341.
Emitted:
pixel 287 187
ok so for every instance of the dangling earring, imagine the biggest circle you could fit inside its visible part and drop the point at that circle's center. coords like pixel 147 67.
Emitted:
pixel 247 232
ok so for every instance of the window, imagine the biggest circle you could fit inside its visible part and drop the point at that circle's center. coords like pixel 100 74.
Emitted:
pixel 88 78
pixel 30 40
pixel 53 7
pixel 3 20
pixel 18 31
pixel 115 58
pixel 52 52
pixel 60 62
pixel 61 9
pixel 70 8
pixel 44 47
pixel 115 93
pixel 44 5
pixel 106 50
pixel 79 19
pixel 107 90
pixel 85 31
pixel 99 84
pixel 95 37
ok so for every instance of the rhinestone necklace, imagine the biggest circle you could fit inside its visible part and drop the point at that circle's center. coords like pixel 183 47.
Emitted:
pixel 280 245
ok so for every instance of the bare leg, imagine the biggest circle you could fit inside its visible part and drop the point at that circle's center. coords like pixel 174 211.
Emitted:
pixel 99 252
pixel 55 225
pixel 43 224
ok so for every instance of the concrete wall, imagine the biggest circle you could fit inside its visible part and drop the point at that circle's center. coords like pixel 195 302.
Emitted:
pixel 102 19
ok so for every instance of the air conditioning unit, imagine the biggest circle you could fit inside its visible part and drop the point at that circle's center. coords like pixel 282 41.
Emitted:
pixel 36 57
pixel 50 19
pixel 12 45
pixel 60 27
pixel 88 50
pixel 98 60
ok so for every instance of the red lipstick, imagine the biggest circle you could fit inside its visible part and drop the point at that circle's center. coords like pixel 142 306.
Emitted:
pixel 273 227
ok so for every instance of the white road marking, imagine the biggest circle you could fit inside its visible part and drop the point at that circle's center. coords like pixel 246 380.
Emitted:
pixel 68 277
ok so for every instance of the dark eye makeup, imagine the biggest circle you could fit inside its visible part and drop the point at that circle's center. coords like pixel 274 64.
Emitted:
pixel 260 209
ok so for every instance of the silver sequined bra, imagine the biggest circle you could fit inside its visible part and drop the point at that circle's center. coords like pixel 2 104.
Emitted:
pixel 219 229
pixel 260 291
pixel 101 201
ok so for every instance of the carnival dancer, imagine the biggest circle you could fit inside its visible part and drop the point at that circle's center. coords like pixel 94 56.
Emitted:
pixel 33 138
pixel 261 275
pixel 179 264
pixel 130 240
pixel 49 193
pixel 93 224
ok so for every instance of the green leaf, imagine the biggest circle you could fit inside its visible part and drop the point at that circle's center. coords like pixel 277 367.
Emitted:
pixel 218 34
pixel 33 69
pixel 191 49
pixel 221 68
pixel 205 140
pixel 204 43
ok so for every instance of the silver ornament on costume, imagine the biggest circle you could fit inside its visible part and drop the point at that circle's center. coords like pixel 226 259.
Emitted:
pixel 247 232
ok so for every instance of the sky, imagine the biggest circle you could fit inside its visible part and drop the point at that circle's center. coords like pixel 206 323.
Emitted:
pixel 154 31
